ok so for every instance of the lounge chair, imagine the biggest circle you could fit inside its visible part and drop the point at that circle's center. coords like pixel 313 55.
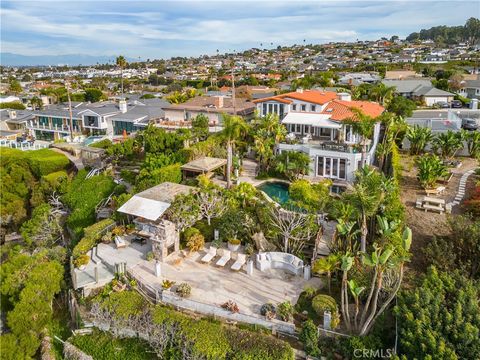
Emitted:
pixel 119 242
pixel 211 253
pixel 224 259
pixel 241 260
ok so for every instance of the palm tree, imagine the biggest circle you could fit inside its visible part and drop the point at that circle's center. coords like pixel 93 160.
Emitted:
pixel 327 265
pixel 356 291
pixel 234 129
pixel 448 143
pixel 364 126
pixel 121 63
pixel 382 93
pixel 473 143
pixel 419 137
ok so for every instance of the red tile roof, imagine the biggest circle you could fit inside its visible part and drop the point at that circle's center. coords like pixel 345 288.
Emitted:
pixel 341 110
pixel 311 96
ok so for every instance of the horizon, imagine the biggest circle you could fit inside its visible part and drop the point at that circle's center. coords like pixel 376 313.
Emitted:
pixel 147 31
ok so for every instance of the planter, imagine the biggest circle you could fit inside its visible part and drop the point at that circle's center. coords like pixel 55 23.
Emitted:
pixel 82 267
pixel 233 247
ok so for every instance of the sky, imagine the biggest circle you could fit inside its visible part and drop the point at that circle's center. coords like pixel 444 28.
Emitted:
pixel 150 29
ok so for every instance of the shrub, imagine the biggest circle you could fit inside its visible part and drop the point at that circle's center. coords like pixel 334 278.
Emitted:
pixel 196 242
pixel 189 232
pixel 309 337
pixel 472 205
pixel 322 303
pixel 309 291
pixel 234 241
pixel 150 256
pixel 91 235
pixel 46 161
pixel 184 290
pixel 285 310
pixel 102 144
pixel 81 260
pixel 167 284
pixel 231 306
pixel 249 249
pixel 266 308
pixel 55 179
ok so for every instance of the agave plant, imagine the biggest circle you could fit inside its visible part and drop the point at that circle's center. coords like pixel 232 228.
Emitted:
pixel 430 169
pixel 419 137
pixel 448 143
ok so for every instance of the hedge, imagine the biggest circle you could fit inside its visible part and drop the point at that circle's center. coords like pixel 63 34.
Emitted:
pixel 207 339
pixel 54 179
pixel 42 162
pixel 170 173
pixel 91 235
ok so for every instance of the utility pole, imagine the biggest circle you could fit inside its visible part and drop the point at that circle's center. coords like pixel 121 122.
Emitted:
pixel 233 87
pixel 67 85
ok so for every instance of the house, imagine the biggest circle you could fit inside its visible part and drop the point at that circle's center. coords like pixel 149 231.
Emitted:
pixel 419 90
pixel 358 78
pixel 105 118
pixel 316 125
pixel 470 88
pixel 213 107
pixel 14 120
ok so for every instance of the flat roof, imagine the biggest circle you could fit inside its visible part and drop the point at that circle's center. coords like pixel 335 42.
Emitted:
pixel 204 164
pixel 313 119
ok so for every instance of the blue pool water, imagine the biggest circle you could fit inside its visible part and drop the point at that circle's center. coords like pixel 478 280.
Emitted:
pixel 277 191
pixel 91 139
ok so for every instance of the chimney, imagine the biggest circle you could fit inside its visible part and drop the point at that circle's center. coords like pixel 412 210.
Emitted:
pixel 344 96
pixel 12 114
pixel 122 105
pixel 218 101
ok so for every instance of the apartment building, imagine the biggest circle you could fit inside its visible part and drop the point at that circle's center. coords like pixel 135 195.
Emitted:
pixel 316 122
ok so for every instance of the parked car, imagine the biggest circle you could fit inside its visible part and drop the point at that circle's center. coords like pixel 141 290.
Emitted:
pixel 457 104
pixel 441 105
pixel 469 124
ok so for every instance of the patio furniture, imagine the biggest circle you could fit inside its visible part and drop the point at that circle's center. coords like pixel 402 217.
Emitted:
pixel 141 240
pixel 436 191
pixel 211 253
pixel 279 260
pixel 430 203
pixel 241 260
pixel 119 242
pixel 224 259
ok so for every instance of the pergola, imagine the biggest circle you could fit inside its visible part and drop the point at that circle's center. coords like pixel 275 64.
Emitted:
pixel 205 165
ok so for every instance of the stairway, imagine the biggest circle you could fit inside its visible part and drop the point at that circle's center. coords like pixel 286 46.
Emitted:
pixel 249 168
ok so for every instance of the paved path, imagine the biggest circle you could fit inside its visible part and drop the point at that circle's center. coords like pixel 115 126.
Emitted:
pixel 77 162
pixel 461 188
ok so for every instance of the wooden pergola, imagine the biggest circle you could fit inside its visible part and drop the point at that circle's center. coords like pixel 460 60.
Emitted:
pixel 205 165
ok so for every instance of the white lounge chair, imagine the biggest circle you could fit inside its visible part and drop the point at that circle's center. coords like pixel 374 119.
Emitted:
pixel 119 242
pixel 241 260
pixel 211 253
pixel 224 259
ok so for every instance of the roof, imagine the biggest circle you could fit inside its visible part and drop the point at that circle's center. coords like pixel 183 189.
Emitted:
pixel 204 164
pixel 408 85
pixel 210 104
pixel 342 110
pixel 152 203
pixel 311 96
pixel 313 119
pixel 432 91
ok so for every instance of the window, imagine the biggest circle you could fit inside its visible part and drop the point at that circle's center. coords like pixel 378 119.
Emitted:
pixel 298 128
pixel 294 107
pixel 281 111
pixel 334 168
pixel 313 108
pixel 477 91
pixel 304 107
pixel 270 108
pixel 350 136
pixel 264 109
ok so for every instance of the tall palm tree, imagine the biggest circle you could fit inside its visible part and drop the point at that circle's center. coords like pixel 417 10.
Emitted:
pixel 234 129
pixel 364 126
pixel 327 265
pixel 121 63
pixel 382 93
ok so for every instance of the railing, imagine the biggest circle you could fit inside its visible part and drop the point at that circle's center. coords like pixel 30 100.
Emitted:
pixel 22 145
pixel 62 128
pixel 180 124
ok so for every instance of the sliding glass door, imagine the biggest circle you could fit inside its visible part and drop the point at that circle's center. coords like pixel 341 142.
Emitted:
pixel 333 168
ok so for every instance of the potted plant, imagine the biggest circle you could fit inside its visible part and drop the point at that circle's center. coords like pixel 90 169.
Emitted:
pixel 82 261
pixel 184 290
pixel 233 244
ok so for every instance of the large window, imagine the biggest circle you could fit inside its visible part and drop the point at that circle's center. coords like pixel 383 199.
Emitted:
pixel 333 168
pixel 265 112
pixel 91 121
pixel 350 136
pixel 313 108
pixel 119 126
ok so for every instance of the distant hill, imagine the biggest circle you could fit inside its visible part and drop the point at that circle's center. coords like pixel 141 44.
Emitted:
pixel 10 59
pixel 450 34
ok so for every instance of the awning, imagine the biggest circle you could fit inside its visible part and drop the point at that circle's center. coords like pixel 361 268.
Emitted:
pixel 146 208
pixel 312 119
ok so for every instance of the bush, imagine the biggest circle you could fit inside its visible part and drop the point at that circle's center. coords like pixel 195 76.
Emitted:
pixel 234 241
pixel 285 310
pixel 189 232
pixel 150 256
pixel 184 290
pixel 91 236
pixel 196 242
pixel 102 144
pixel 322 303
pixel 170 173
pixel 309 337
pixel 267 308
pixel 81 260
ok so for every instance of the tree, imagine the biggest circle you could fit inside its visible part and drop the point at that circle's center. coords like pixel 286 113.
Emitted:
pixel 36 103
pixel 268 133
pixel 93 95
pixel 14 87
pixel 184 211
pixel 210 198
pixel 200 127
pixel 292 164
pixel 473 143
pixel 401 106
pixel 430 169
pixel 382 93
pixel 14 105
pixel 234 130
pixel 440 319
pixel 419 137
pixel 448 143
pixel 327 265
pixel 310 197
pixel 121 63
pixel 364 126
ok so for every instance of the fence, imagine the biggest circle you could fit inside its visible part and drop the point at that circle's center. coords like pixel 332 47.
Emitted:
pixel 167 297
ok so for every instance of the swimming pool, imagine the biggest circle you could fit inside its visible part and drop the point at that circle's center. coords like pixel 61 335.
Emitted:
pixel 92 139
pixel 276 190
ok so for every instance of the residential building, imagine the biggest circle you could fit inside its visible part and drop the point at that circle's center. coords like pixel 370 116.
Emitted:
pixel 470 88
pixel 213 107
pixel 420 90
pixel 317 126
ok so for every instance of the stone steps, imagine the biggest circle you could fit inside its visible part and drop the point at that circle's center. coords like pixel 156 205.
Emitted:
pixel 461 188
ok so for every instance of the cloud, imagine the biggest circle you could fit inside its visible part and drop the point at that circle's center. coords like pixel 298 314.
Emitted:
pixel 161 29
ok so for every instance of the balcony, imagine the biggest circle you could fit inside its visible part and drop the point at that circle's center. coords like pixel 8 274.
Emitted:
pixel 47 127
pixel 321 143
pixel 186 124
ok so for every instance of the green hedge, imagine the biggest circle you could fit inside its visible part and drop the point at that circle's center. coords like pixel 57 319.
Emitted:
pixel 208 339
pixel 91 235
pixel 42 162
pixel 170 173
pixel 83 196
pixel 55 179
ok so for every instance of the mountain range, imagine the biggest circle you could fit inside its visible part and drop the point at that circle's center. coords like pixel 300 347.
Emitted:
pixel 11 59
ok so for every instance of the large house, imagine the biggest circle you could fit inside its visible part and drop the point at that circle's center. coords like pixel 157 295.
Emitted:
pixel 419 89
pixel 316 122
pixel 102 118
pixel 471 88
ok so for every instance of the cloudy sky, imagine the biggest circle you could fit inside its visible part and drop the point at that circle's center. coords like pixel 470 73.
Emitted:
pixel 161 29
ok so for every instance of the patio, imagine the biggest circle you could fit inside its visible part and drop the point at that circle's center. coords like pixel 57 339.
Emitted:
pixel 210 284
